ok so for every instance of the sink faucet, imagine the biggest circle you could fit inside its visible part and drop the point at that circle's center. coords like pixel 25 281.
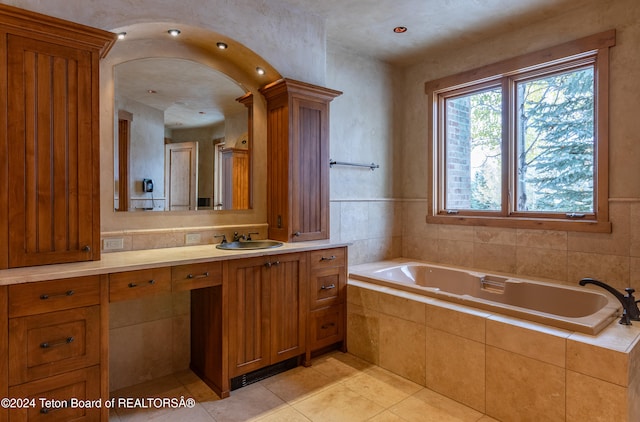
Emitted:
pixel 629 303
pixel 224 238
pixel 237 237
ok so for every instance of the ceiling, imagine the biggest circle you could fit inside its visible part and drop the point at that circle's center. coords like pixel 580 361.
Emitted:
pixel 366 26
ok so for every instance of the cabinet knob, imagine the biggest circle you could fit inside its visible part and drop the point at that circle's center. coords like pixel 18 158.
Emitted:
pixel 86 248
pixel 297 234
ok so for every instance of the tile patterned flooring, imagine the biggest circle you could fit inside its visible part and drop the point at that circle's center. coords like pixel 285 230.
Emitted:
pixel 337 387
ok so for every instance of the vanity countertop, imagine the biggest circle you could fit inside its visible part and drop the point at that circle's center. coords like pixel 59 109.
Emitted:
pixel 114 262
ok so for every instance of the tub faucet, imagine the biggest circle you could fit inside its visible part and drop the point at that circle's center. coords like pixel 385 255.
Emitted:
pixel 630 310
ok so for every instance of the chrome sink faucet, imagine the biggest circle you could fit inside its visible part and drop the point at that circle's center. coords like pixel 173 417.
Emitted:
pixel 629 303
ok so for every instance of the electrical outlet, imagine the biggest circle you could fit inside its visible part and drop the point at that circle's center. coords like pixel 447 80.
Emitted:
pixel 192 238
pixel 113 243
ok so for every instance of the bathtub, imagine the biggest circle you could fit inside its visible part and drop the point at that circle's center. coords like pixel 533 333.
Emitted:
pixel 570 308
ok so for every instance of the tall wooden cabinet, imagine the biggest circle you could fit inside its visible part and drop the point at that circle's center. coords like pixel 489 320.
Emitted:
pixel 49 142
pixel 298 160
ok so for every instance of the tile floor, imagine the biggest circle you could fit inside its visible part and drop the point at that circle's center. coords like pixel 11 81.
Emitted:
pixel 337 387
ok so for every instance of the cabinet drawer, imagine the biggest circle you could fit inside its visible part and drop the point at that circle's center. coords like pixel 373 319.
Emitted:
pixel 334 257
pixel 49 296
pixel 196 276
pixel 53 343
pixel 83 384
pixel 327 287
pixel 136 284
pixel 326 326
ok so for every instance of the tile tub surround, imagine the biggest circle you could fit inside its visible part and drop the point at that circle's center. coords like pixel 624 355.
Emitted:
pixel 507 368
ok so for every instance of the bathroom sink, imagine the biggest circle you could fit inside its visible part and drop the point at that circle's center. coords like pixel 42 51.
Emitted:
pixel 249 244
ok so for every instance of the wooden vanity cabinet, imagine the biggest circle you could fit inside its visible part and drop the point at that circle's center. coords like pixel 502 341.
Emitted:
pixel 297 160
pixel 267 312
pixel 327 299
pixel 57 347
pixel 49 142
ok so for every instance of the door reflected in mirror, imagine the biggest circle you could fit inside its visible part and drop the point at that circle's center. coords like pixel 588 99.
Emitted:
pixel 183 137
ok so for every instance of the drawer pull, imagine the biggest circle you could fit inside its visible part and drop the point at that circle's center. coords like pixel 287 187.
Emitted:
pixel 150 282
pixel 270 264
pixel 61 405
pixel 203 275
pixel 329 287
pixel 330 258
pixel 67 293
pixel 48 344
pixel 329 325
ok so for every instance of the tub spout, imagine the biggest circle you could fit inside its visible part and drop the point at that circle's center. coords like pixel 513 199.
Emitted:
pixel 630 310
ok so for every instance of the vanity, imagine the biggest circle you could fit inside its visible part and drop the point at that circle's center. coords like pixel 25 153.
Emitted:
pixel 249 310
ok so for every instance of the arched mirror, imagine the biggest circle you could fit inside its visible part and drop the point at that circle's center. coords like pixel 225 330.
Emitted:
pixel 183 137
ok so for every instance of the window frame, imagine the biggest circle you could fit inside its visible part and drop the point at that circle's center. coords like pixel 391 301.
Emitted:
pixel 573 54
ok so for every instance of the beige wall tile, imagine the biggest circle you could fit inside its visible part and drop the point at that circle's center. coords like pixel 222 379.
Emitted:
pixel 366 298
pixel 546 239
pixel 448 232
pixel 609 365
pixel 591 399
pixel 455 367
pixel 522 389
pixel 612 269
pixel 495 235
pixel 615 243
pixel 634 229
pixel 494 257
pixel 401 307
pixel 140 353
pixel 414 219
pixel 421 248
pixel 363 333
pixel 537 262
pixel 541 343
pixel 402 348
pixel 136 311
pixel 455 252
pixel 458 320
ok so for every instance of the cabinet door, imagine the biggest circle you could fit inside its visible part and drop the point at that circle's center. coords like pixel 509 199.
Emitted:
pixel 288 312
pixel 310 182
pixel 52 170
pixel 248 315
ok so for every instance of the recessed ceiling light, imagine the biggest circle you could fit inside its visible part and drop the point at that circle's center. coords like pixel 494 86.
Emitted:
pixel 122 35
pixel 400 29
pixel 174 32
pixel 221 45
pixel 260 70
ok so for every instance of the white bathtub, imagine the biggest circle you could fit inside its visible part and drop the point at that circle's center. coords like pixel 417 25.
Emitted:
pixel 571 308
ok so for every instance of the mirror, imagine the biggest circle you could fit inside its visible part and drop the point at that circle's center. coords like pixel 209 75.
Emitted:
pixel 183 137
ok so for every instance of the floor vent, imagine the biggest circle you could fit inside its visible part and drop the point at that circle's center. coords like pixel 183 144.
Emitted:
pixel 262 373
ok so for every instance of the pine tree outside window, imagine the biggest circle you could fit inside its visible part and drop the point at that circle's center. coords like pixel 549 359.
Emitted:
pixel 524 142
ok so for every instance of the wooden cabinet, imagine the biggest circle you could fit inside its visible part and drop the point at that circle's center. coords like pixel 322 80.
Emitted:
pixel 56 347
pixel 50 193
pixel 267 312
pixel 298 160
pixel 327 299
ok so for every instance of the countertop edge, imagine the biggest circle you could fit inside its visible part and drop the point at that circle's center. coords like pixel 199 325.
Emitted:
pixel 115 262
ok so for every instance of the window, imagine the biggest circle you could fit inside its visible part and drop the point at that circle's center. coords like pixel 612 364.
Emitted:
pixel 524 142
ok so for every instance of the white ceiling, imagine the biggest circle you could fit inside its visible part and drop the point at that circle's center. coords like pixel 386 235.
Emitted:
pixel 366 26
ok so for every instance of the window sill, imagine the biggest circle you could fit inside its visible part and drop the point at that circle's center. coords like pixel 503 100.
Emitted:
pixel 590 226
